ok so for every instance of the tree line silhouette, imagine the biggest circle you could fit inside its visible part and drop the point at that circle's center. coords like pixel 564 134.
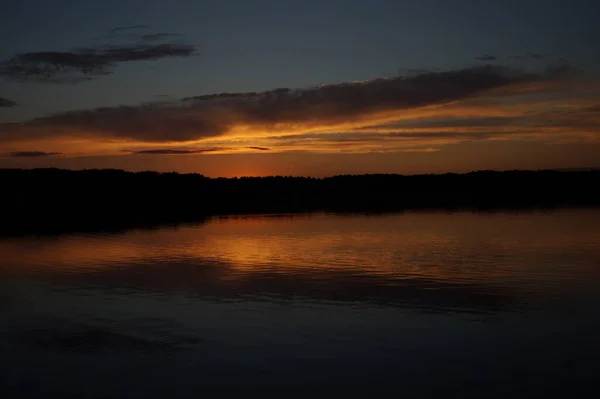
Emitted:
pixel 42 200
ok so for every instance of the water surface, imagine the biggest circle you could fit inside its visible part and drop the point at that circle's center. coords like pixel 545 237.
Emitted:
pixel 413 304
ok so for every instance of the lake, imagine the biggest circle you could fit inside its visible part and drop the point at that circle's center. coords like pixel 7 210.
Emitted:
pixel 411 304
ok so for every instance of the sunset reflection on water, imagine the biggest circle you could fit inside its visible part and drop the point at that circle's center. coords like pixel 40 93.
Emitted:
pixel 249 299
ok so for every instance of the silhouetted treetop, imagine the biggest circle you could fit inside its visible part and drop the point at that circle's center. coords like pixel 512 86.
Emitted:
pixel 38 199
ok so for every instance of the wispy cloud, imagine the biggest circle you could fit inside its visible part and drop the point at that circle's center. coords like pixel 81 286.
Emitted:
pixel 32 154
pixel 178 152
pixel 530 56
pixel 159 36
pixel 86 63
pixel 486 58
pixel 4 102
pixel 119 29
pixel 259 148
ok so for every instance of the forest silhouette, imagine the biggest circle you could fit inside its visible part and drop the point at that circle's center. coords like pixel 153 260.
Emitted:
pixel 55 200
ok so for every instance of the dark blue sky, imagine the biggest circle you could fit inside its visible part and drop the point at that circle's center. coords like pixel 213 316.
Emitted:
pixel 257 45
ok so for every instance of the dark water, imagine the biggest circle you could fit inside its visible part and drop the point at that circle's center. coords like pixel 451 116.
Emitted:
pixel 410 305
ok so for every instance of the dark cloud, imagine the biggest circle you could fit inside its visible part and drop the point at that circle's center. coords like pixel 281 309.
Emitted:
pixel 178 152
pixel 530 56
pixel 159 36
pixel 360 137
pixel 410 72
pixel 4 102
pixel 457 122
pixel 486 58
pixel 560 67
pixel 32 154
pixel 128 28
pixel 593 108
pixel 341 101
pixel 586 118
pixel 86 63
pixel 152 122
pixel 282 109
pixel 260 148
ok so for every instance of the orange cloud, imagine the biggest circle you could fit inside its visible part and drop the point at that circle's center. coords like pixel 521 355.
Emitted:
pixel 419 113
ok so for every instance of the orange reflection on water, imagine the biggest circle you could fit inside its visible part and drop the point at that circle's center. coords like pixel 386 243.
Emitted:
pixel 460 247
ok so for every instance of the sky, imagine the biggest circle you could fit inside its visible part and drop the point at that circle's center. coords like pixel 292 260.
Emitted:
pixel 317 88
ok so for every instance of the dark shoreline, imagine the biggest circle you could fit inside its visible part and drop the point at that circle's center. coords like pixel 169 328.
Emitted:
pixel 53 201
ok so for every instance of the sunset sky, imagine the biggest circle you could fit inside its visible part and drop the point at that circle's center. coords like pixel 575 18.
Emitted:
pixel 239 87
